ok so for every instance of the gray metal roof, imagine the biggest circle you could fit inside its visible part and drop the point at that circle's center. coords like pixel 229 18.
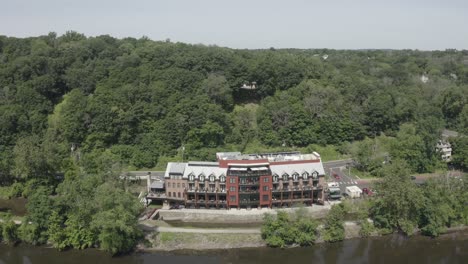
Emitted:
pixel 203 163
pixel 157 185
pixel 176 168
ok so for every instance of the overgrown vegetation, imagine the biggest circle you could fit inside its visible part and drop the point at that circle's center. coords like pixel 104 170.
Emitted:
pixel 432 207
pixel 284 230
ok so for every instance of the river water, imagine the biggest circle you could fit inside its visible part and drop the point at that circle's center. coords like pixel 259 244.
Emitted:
pixel 450 248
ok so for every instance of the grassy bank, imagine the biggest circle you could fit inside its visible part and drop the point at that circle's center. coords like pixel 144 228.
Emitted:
pixel 200 241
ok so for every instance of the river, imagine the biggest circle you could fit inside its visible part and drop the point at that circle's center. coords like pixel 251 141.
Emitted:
pixel 450 248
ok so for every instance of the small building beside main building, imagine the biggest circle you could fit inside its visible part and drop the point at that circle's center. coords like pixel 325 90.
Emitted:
pixel 238 180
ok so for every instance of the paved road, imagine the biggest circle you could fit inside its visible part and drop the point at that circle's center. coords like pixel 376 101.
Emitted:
pixel 336 163
pixel 144 174
pixel 342 179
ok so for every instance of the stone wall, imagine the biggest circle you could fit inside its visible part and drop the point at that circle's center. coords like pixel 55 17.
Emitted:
pixel 233 215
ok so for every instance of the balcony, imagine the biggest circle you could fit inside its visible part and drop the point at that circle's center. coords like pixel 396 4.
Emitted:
pixel 248 191
pixel 246 202
pixel 249 183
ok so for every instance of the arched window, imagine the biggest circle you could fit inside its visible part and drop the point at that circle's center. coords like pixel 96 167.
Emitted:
pixel 222 178
pixel 212 178
pixel 201 177
pixel 285 177
pixel 305 175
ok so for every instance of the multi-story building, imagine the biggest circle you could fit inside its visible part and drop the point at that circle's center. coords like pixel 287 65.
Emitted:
pixel 247 181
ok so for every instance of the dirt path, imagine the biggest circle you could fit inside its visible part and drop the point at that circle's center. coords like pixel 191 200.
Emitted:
pixel 201 230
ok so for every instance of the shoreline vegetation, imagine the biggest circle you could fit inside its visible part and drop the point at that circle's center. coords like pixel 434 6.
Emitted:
pixel 177 241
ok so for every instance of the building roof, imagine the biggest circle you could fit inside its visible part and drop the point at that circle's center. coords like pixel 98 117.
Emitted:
pixel 299 168
pixel 203 163
pixel 206 171
pixel 280 163
pixel 174 168
pixel 227 155
pixel 157 185
pixel 449 133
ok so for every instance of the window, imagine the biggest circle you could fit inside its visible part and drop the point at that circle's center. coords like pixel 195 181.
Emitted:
pixel 232 189
pixel 191 177
pixel 178 185
pixel 212 178
pixel 202 177
pixel 178 194
pixel 305 175
pixel 232 198
pixel 222 178
pixel 169 194
pixel 285 177
pixel 265 188
pixel 266 198
pixel 295 176
pixel 173 185
pixel 266 179
pixel 173 194
pixel 183 185
pixel 275 178
pixel 315 174
pixel 232 180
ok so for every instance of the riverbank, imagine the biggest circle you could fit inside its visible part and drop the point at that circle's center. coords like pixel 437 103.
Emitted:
pixel 175 238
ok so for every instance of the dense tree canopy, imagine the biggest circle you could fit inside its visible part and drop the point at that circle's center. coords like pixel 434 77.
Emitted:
pixel 145 99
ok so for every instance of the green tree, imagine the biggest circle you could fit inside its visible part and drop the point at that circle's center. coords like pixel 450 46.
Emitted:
pixel 334 224
pixel 399 201
pixel 217 88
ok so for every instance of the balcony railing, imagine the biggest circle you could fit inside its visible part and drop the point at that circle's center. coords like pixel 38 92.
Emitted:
pixel 246 202
pixel 209 190
pixel 250 183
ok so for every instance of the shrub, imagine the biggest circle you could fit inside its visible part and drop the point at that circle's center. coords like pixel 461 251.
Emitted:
pixel 284 231
pixel 16 189
pixel 10 232
pixel 366 228
pixel 32 234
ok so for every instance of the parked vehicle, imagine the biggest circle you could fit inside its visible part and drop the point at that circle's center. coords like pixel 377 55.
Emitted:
pixel 367 191
pixel 336 175
pixel 353 191
pixel 334 193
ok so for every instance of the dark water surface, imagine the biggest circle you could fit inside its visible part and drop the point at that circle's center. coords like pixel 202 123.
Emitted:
pixel 451 248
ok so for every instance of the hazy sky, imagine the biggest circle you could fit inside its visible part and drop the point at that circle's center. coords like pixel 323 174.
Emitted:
pixel 338 24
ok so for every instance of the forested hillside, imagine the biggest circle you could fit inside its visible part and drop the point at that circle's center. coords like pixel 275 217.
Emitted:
pixel 89 107
pixel 104 101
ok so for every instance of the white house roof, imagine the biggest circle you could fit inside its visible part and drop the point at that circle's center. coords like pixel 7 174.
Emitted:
pixel 299 168
pixel 203 170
